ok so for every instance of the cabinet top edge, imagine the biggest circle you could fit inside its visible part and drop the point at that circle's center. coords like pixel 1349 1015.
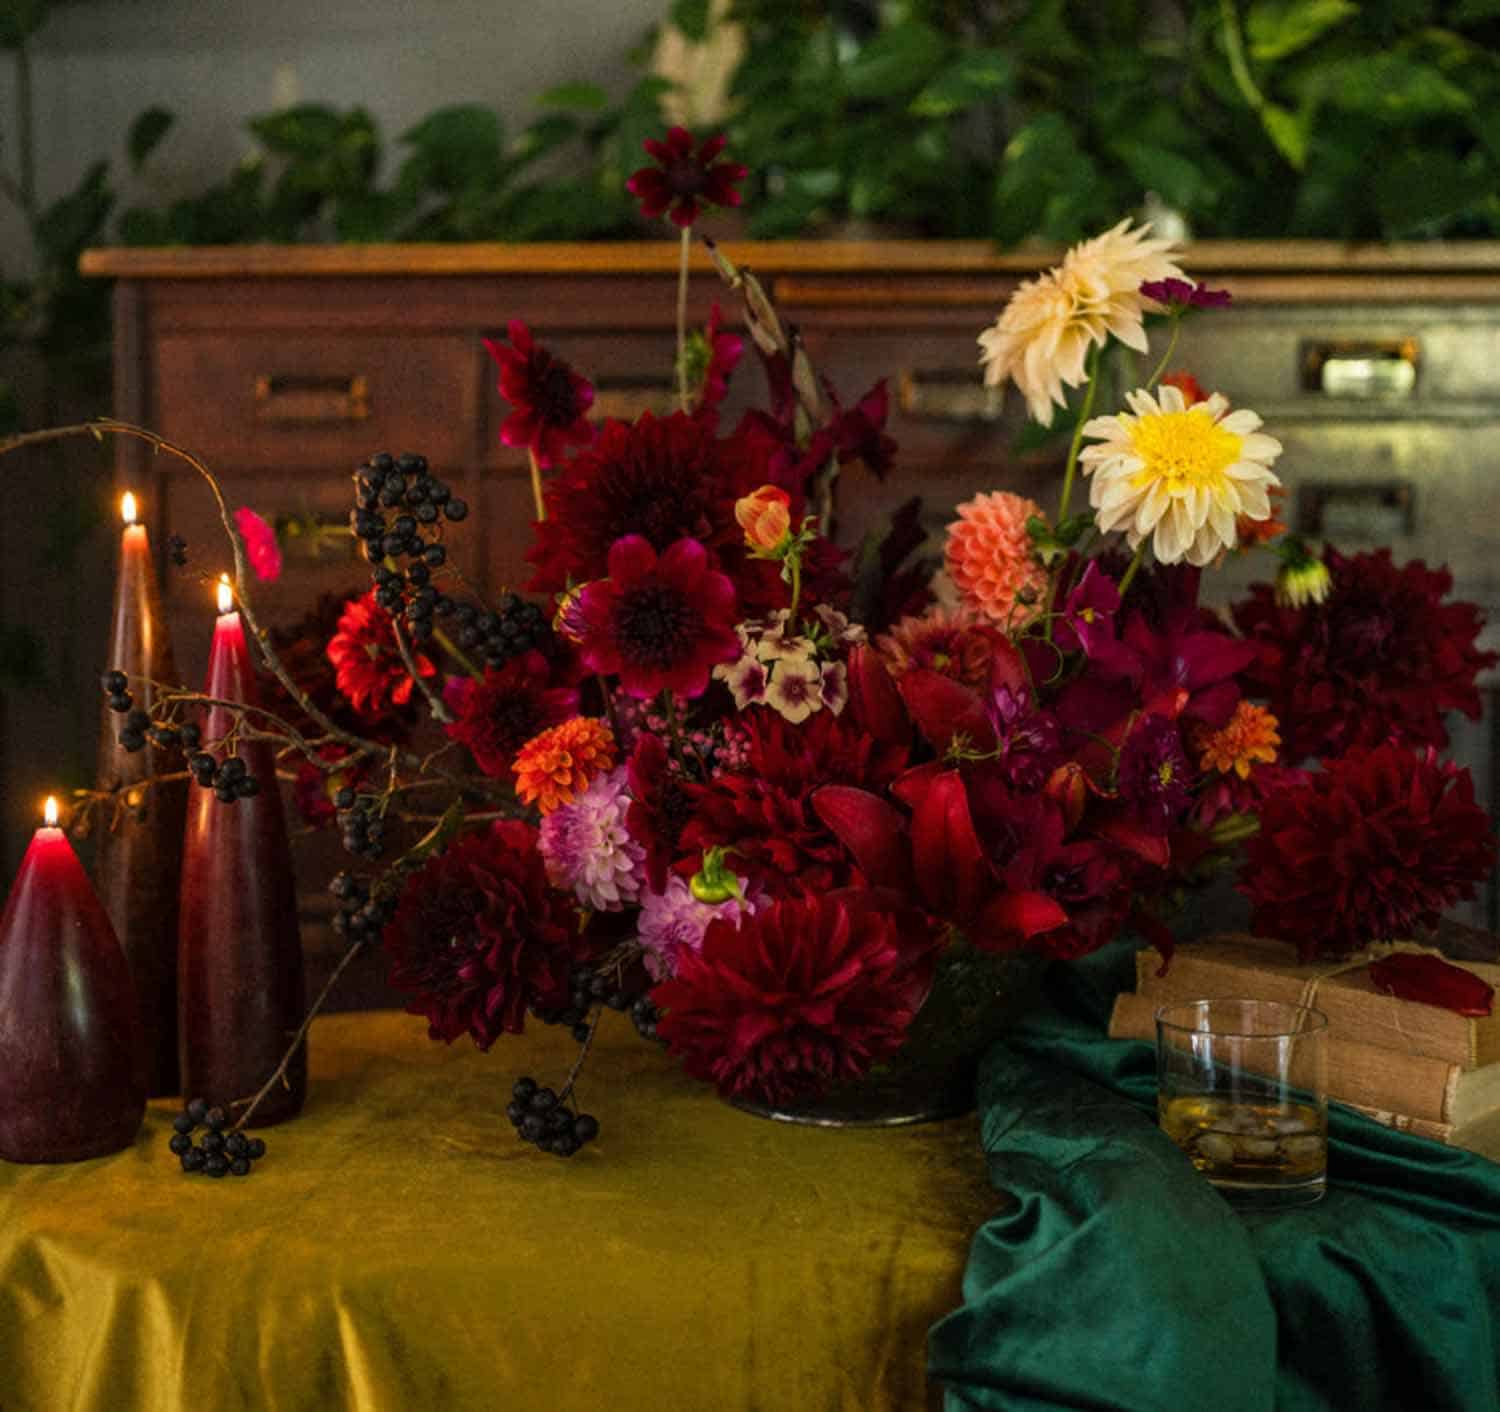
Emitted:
pixel 924 257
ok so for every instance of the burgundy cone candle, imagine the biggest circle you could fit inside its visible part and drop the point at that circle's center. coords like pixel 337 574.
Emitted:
pixel 140 845
pixel 71 1081
pixel 239 953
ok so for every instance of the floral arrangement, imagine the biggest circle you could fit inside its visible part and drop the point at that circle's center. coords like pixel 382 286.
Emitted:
pixel 726 776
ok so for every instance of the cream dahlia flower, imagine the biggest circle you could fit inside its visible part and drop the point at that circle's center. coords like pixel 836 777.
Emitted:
pixel 1179 474
pixel 1042 337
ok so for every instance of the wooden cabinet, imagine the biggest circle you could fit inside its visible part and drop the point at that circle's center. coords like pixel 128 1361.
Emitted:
pixel 284 367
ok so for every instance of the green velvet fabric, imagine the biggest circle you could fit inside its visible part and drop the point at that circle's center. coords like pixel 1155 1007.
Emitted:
pixel 1122 1280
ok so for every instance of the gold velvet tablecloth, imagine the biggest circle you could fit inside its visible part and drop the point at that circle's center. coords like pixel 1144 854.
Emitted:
pixel 399 1248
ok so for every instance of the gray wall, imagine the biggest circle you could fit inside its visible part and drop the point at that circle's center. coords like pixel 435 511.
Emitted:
pixel 216 62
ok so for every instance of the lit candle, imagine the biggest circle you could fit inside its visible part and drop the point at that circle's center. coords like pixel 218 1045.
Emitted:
pixel 71 1081
pixel 239 955
pixel 140 848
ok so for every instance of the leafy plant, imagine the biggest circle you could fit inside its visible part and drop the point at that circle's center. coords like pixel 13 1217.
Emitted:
pixel 1042 118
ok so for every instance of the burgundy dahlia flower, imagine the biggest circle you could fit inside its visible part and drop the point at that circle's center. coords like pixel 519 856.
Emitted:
pixel 659 622
pixel 479 935
pixel 804 994
pixel 497 715
pixel 684 181
pixel 549 401
pixel 1382 657
pixel 1380 842
pixel 367 662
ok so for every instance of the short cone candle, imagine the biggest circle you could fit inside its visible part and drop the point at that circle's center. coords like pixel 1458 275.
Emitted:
pixel 71 1081
pixel 239 953
pixel 140 845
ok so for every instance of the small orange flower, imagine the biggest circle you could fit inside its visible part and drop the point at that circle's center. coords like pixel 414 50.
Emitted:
pixel 1189 386
pixel 1252 532
pixel 1250 737
pixel 765 516
pixel 553 768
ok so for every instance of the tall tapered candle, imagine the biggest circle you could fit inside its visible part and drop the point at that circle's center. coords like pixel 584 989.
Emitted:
pixel 140 845
pixel 71 1081
pixel 239 953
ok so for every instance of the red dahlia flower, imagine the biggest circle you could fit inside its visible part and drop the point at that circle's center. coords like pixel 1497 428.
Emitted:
pixel 662 623
pixel 1380 842
pixel 684 180
pixel 764 811
pixel 479 935
pixel 1382 657
pixel 497 715
pixel 366 660
pixel 549 401
pixel 662 478
pixel 802 995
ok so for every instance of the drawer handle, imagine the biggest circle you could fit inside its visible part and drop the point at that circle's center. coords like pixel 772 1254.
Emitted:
pixel 948 395
pixel 625 398
pixel 1370 368
pixel 307 398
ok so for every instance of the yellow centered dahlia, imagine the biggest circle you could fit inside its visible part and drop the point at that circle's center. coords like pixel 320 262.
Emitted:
pixel 1179 475
pixel 1042 337
pixel 989 558
pixel 1249 738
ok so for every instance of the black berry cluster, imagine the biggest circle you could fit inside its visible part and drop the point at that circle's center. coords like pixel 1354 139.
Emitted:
pixel 540 1117
pixel 361 916
pixel 138 728
pixel 177 550
pixel 399 506
pixel 216 1153
pixel 516 626
pixel 229 779
pixel 644 1016
pixel 587 988
pixel 360 823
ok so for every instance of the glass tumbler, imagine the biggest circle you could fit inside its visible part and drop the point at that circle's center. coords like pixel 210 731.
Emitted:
pixel 1242 1089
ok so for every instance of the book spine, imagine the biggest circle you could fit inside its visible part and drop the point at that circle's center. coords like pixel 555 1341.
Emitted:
pixel 1352 1008
pixel 1358 1074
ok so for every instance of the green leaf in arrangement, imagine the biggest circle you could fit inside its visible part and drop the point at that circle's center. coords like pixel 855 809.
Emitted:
pixel 306 130
pixel 1288 131
pixel 146 133
pixel 460 146
pixel 1418 188
pixel 1039 161
pixel 1276 28
pixel 691 17
pixel 77 219
pixel 974 76
pixel 896 60
pixel 575 95
pixel 1389 86
pixel 1178 180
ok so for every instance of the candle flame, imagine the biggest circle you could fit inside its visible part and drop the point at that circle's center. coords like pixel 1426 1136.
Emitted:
pixel 226 594
pixel 127 508
pixel 49 811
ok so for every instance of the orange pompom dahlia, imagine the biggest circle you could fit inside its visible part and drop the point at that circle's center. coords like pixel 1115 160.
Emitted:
pixel 553 768
pixel 1250 738
pixel 989 558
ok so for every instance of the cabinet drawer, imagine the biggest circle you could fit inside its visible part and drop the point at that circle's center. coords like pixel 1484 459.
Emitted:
pixel 268 400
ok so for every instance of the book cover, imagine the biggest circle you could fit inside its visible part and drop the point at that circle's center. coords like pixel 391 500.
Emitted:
pixel 1241 965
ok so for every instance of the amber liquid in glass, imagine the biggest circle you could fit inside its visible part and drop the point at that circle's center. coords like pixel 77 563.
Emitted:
pixel 1249 1146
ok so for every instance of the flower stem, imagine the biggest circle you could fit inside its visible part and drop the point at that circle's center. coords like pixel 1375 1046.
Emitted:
pixel 1166 357
pixel 1135 565
pixel 684 249
pixel 457 653
pixel 1083 415
pixel 279 1073
pixel 536 484
pixel 794 563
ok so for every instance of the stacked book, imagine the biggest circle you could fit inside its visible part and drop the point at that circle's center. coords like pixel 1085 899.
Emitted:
pixel 1420 1068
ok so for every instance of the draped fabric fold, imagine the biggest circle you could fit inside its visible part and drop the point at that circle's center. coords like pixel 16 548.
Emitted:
pixel 1123 1281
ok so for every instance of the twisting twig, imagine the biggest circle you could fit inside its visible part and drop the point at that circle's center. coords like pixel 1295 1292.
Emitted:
pixel 439 710
pixel 279 1073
